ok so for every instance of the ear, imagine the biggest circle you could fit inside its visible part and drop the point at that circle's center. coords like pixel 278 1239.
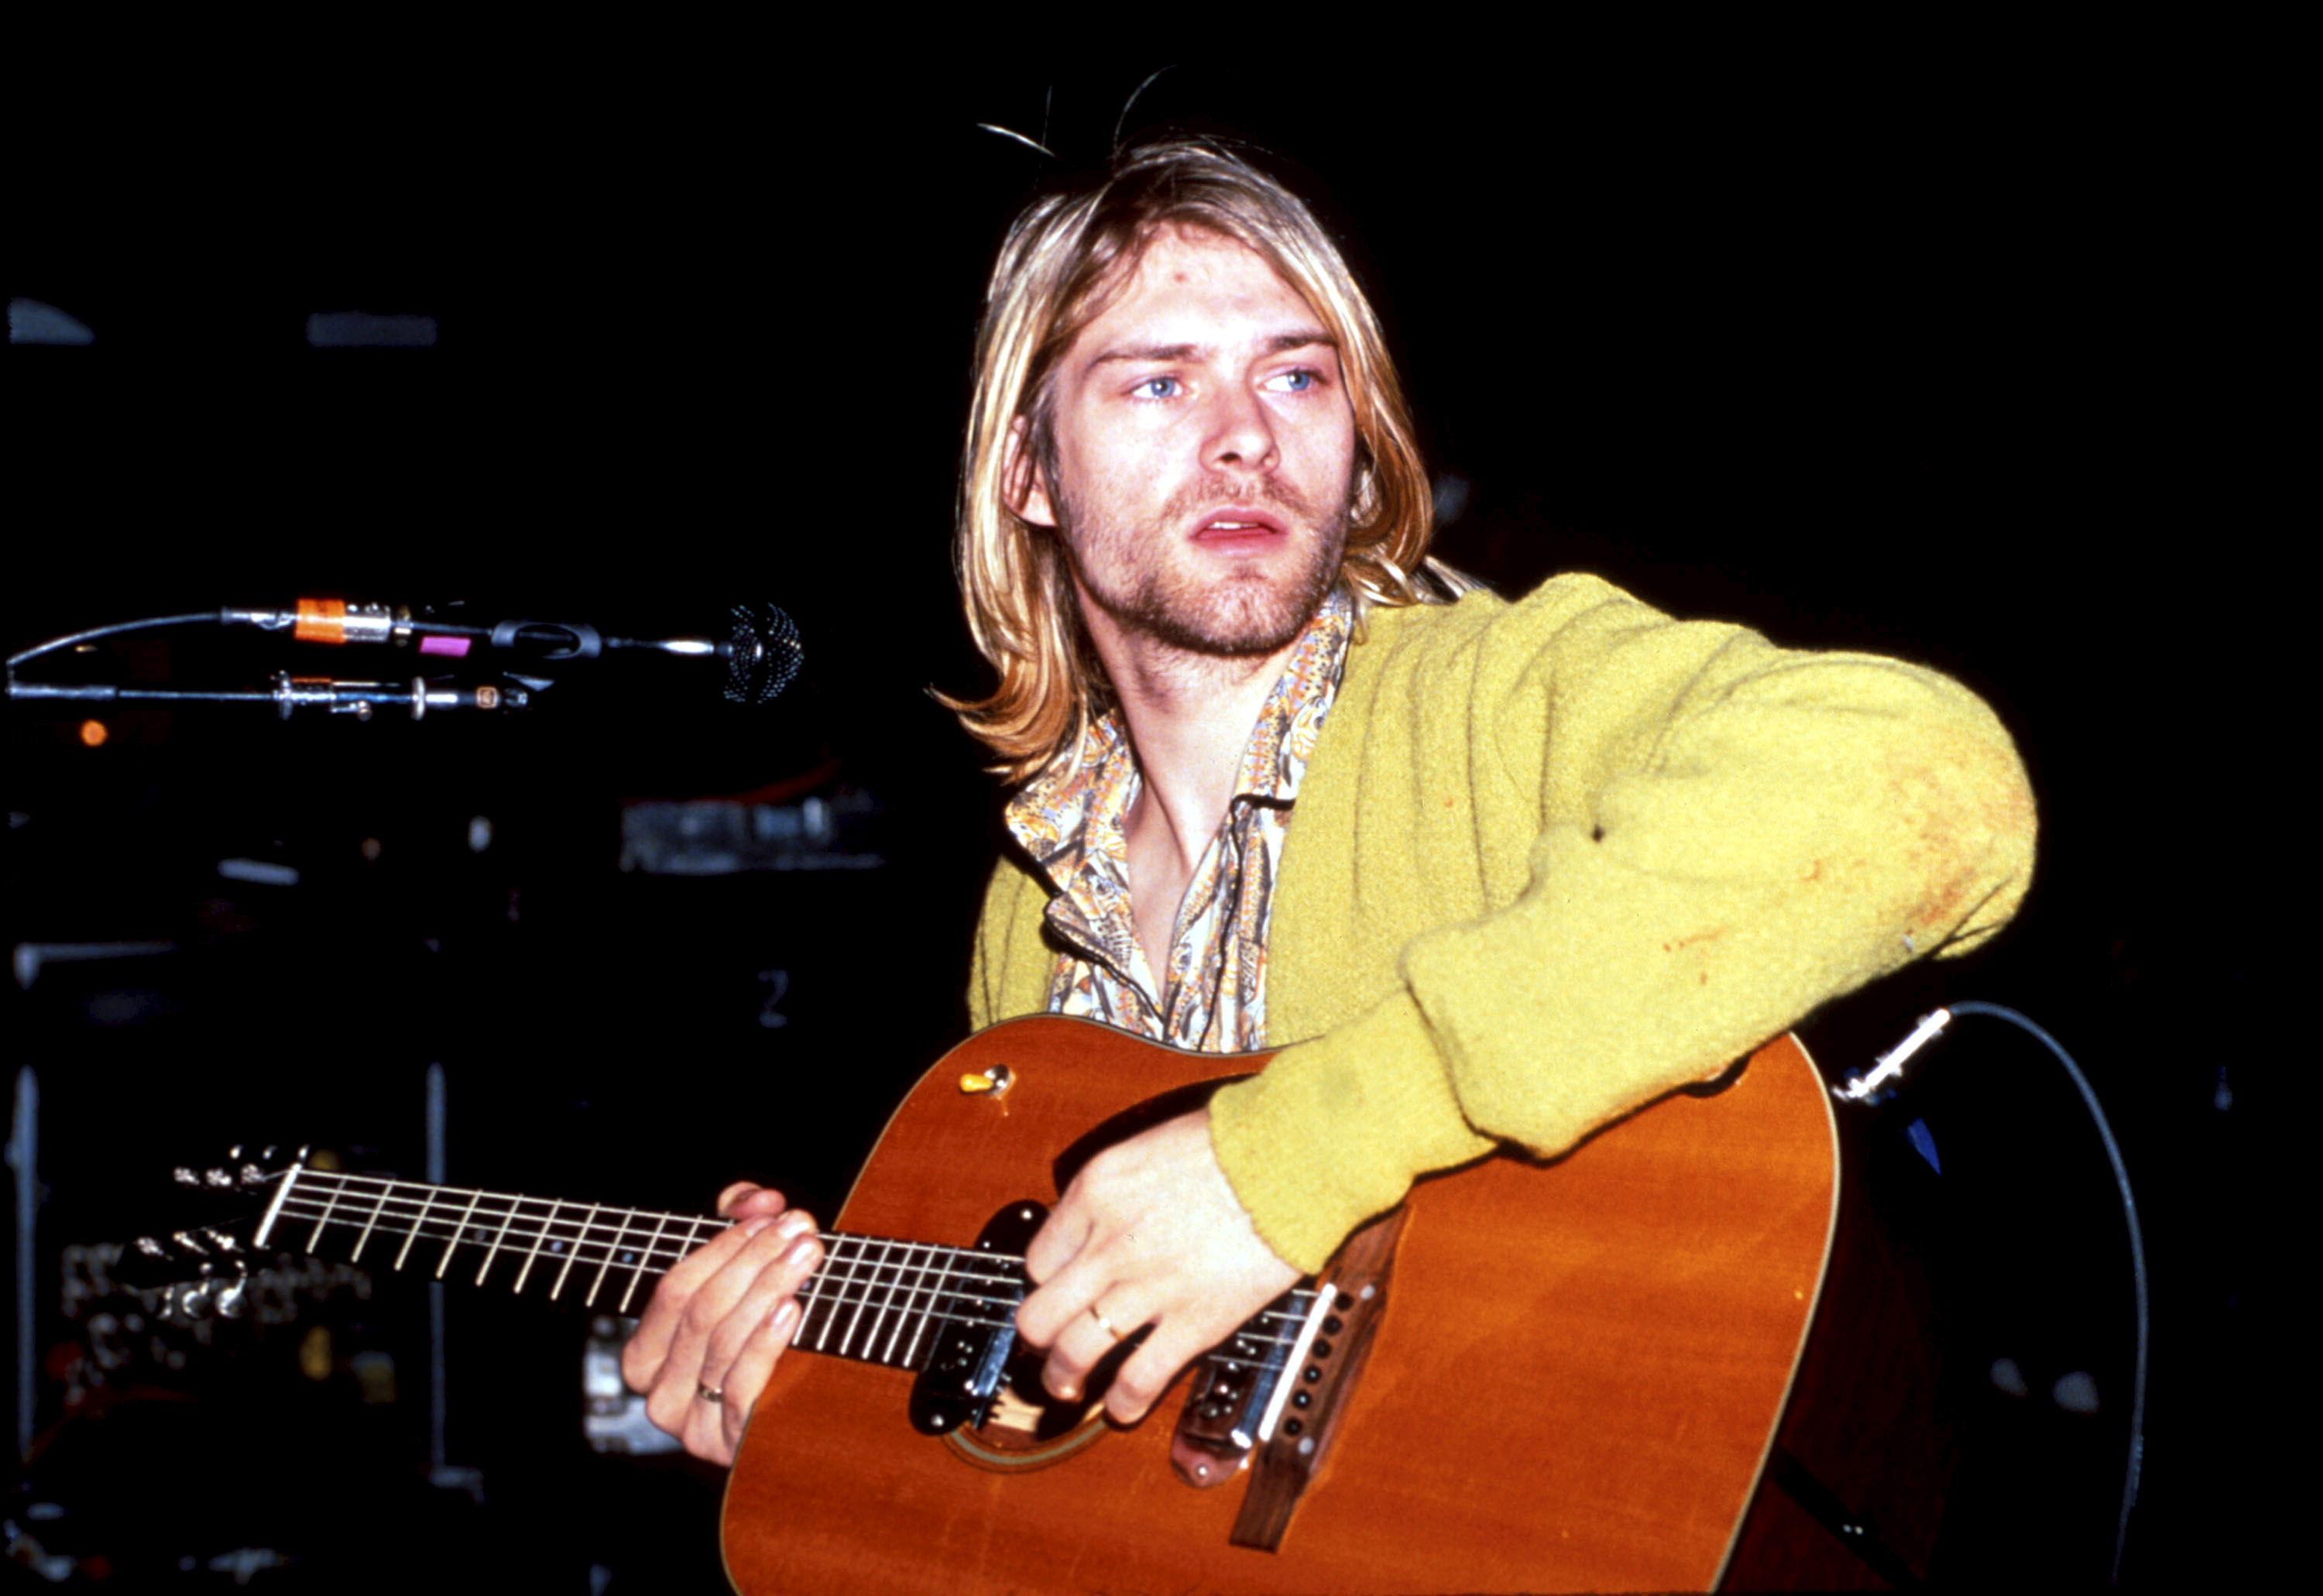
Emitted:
pixel 1021 487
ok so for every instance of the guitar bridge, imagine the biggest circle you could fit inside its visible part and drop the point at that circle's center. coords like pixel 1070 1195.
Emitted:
pixel 1268 1402
pixel 1311 1398
pixel 1236 1388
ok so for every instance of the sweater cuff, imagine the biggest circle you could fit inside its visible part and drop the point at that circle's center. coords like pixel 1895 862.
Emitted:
pixel 1336 1128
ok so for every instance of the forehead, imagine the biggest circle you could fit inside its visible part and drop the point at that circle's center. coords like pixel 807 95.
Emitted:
pixel 1193 287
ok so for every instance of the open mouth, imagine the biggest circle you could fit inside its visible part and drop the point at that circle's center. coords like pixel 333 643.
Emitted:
pixel 1234 527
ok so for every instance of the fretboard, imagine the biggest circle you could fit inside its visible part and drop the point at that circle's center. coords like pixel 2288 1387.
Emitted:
pixel 873 1300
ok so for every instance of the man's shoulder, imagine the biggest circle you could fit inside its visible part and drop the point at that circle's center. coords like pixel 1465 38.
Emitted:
pixel 1563 600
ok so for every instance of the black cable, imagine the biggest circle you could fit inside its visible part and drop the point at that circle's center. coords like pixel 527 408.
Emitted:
pixel 1873 1086
pixel 2137 1255
pixel 53 644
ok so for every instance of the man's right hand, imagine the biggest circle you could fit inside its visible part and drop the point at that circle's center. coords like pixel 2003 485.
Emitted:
pixel 719 1320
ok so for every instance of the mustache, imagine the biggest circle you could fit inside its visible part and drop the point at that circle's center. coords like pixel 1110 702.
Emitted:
pixel 1258 493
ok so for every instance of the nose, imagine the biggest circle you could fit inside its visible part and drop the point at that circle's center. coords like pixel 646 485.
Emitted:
pixel 1240 432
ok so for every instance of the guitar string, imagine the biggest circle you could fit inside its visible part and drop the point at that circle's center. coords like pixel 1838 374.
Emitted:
pixel 861 1287
pixel 561 1236
pixel 863 1281
pixel 856 1281
pixel 844 1250
pixel 426 1197
pixel 393 1204
pixel 403 1195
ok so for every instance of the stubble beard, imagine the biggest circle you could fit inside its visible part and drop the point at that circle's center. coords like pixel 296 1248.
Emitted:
pixel 1239 613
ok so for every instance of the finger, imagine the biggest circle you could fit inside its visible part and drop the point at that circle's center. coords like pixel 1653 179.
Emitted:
pixel 1088 1339
pixel 1147 1372
pixel 745 1200
pixel 1050 1311
pixel 1062 1238
pixel 708 1414
pixel 672 1364
pixel 704 1429
pixel 658 1328
pixel 746 1382
pixel 777 1283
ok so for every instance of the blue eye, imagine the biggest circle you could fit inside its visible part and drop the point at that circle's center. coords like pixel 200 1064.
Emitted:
pixel 1145 389
pixel 1297 382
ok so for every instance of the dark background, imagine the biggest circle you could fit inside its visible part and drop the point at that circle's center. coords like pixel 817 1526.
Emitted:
pixel 1928 346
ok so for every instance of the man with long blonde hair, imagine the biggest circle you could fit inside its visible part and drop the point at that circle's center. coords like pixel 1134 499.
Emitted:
pixel 1484 872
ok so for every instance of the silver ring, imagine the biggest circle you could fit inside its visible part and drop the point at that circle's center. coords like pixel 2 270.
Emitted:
pixel 1103 1324
pixel 708 1393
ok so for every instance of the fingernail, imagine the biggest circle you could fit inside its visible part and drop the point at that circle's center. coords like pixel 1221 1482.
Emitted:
pixel 800 1251
pixel 785 1316
pixel 795 1222
pixel 751 1227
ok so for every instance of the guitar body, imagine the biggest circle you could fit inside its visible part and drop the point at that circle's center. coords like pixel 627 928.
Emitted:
pixel 1575 1382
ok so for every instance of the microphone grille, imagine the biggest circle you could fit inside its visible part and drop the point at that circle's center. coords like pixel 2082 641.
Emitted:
pixel 766 654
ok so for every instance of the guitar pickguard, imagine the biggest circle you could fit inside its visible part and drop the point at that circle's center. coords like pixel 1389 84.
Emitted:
pixel 981 1388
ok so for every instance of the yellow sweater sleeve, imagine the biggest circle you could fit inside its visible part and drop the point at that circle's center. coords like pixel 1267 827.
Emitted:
pixel 1555 860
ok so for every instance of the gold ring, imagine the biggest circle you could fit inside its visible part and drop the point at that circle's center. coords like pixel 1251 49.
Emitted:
pixel 1103 1324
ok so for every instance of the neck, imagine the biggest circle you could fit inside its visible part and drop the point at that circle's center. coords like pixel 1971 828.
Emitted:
pixel 1189 717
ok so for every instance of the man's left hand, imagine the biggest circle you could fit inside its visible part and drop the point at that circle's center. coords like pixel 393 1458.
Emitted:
pixel 1149 1232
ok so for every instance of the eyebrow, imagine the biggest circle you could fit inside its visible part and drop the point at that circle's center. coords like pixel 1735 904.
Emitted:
pixel 1278 345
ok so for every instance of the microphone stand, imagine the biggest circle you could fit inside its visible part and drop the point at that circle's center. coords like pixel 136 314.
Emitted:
pixel 761 657
pixel 290 694
pixel 287 694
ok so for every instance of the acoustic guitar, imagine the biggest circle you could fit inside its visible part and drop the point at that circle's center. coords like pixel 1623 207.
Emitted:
pixel 1529 1377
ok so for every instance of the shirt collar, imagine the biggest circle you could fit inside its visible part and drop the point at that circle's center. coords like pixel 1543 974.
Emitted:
pixel 1052 815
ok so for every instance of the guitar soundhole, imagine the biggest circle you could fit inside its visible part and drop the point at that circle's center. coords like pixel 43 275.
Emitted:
pixel 1024 1416
pixel 1018 1425
pixel 1025 1427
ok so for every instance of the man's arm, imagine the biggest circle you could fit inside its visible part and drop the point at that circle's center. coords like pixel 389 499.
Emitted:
pixel 1597 854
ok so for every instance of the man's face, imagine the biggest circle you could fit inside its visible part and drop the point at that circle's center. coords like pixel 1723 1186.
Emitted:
pixel 1205 453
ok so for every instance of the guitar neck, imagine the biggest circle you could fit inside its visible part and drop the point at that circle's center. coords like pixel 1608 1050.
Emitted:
pixel 873 1299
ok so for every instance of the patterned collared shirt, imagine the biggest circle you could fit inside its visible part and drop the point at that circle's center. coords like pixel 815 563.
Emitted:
pixel 1071 821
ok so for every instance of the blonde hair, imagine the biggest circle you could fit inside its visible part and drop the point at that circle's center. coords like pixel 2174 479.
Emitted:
pixel 1062 261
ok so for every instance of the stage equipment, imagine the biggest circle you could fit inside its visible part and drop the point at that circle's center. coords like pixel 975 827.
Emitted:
pixel 761 654
pixel 761 649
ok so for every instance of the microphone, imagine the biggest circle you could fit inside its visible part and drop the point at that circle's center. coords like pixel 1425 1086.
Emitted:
pixel 762 655
pixel 761 651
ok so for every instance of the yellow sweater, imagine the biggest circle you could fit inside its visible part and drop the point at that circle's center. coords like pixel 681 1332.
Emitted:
pixel 1553 859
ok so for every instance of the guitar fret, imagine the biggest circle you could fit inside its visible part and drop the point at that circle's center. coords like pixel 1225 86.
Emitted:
pixel 847 1337
pixel 457 1231
pixel 413 1234
pixel 886 1281
pixel 315 1241
pixel 882 1282
pixel 875 1299
pixel 377 1208
pixel 835 1299
pixel 498 1237
pixel 275 1209
pixel 887 1353
pixel 935 1300
pixel 534 1256
pixel 587 1219
pixel 611 1248
pixel 637 1271
pixel 910 1276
